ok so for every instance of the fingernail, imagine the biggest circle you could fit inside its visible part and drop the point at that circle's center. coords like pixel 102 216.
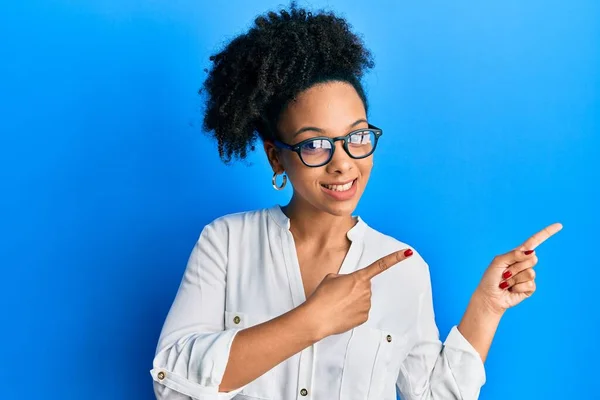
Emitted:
pixel 507 274
pixel 528 252
pixel 408 253
pixel 504 285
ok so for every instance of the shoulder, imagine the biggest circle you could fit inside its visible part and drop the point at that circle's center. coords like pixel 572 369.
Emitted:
pixel 382 243
pixel 232 223
pixel 378 244
pixel 378 239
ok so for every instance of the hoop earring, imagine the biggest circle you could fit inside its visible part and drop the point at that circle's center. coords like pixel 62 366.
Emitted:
pixel 274 181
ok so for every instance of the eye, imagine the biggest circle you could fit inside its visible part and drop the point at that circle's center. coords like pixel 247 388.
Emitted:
pixel 316 145
pixel 359 138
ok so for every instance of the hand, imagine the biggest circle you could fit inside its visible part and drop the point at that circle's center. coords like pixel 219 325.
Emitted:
pixel 341 302
pixel 510 278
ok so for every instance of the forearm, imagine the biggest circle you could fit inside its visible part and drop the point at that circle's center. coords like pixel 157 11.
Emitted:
pixel 479 324
pixel 258 349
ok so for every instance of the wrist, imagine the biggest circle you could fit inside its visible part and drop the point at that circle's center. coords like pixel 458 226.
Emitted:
pixel 484 305
pixel 310 320
pixel 479 323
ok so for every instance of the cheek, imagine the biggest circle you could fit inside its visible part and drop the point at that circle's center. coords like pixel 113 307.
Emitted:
pixel 365 167
pixel 303 177
pixel 300 175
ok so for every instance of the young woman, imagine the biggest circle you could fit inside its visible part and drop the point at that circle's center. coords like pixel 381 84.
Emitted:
pixel 307 301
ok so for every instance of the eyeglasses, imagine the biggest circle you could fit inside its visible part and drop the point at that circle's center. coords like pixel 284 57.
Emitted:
pixel 318 151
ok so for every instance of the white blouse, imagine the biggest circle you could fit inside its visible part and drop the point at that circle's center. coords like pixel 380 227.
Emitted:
pixel 244 271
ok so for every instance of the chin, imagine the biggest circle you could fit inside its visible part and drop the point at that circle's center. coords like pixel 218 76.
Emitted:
pixel 340 209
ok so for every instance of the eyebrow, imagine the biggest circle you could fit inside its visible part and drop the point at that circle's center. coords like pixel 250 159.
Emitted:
pixel 314 128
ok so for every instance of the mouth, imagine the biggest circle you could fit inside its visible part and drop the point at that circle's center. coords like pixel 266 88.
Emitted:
pixel 339 187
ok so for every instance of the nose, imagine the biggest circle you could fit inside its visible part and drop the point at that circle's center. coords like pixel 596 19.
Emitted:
pixel 340 162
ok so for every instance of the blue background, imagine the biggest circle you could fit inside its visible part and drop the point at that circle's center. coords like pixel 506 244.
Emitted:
pixel 491 114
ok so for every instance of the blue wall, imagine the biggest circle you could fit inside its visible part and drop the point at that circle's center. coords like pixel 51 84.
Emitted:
pixel 491 112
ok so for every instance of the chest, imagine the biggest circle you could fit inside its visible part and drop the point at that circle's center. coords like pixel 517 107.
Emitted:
pixel 314 264
pixel 269 278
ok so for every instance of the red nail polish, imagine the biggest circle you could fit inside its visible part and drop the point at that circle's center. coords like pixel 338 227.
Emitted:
pixel 528 252
pixel 408 253
pixel 504 285
pixel 507 274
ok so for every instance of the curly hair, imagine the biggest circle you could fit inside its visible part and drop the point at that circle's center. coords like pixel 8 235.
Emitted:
pixel 259 72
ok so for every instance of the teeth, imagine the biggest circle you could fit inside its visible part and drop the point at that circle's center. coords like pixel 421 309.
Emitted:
pixel 339 188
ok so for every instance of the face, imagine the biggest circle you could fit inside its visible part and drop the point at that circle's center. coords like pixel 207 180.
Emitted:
pixel 334 109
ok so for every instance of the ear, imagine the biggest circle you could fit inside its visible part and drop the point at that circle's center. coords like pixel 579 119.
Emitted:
pixel 273 154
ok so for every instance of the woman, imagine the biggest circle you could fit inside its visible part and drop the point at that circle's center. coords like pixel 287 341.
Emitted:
pixel 306 301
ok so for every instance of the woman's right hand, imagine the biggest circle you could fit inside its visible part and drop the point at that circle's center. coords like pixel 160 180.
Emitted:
pixel 342 302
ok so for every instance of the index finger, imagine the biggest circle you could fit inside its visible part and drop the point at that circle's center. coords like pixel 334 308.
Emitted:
pixel 384 263
pixel 540 237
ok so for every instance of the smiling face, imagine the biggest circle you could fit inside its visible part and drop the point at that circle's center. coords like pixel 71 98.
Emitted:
pixel 329 109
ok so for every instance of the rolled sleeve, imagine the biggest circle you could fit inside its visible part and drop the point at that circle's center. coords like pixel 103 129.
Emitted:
pixel 194 368
pixel 194 346
pixel 434 370
pixel 465 363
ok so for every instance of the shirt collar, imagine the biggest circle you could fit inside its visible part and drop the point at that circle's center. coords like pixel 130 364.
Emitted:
pixel 355 233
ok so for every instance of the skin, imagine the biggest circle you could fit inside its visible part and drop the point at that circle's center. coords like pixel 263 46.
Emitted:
pixel 337 109
pixel 337 303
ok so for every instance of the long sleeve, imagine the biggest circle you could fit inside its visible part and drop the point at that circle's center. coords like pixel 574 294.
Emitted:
pixel 193 348
pixel 432 370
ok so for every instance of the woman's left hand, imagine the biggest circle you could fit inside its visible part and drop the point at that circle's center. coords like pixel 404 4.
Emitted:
pixel 510 278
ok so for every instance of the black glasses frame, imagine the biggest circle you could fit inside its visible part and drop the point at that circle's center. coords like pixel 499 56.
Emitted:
pixel 297 148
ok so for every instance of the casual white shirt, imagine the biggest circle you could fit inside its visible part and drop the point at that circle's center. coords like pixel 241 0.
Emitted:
pixel 243 271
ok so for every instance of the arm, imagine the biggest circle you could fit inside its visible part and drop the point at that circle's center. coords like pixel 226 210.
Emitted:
pixel 257 349
pixel 479 324
pixel 455 370
pixel 508 280
pixel 196 356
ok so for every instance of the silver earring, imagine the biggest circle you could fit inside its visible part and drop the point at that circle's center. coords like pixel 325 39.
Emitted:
pixel 274 181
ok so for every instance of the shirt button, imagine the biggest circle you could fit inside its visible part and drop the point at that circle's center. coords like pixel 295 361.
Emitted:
pixel 236 319
pixel 304 392
pixel 161 375
pixel 389 338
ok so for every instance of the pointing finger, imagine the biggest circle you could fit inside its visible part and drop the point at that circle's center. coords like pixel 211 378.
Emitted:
pixel 540 237
pixel 384 263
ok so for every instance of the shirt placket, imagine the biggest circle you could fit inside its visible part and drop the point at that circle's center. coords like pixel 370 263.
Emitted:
pixel 307 356
pixel 306 366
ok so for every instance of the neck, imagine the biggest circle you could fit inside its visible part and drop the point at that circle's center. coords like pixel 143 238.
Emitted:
pixel 309 224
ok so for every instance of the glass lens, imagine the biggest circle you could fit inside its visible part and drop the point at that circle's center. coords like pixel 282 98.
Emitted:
pixel 316 152
pixel 361 144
